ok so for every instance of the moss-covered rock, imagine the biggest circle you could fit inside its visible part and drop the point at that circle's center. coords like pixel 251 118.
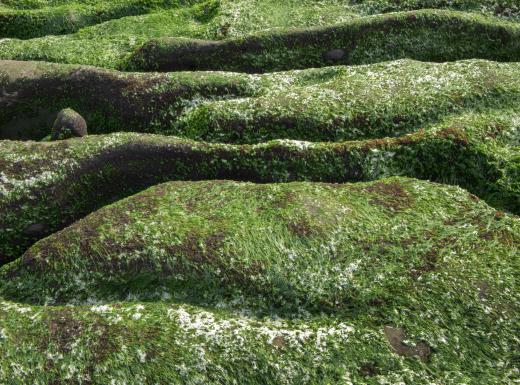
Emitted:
pixel 223 274
pixel 56 183
pixel 329 104
pixel 394 280
pixel 68 124
pixel 443 36
pixel 30 19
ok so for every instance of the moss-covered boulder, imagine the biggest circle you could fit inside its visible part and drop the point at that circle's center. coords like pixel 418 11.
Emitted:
pixel 394 280
pixel 26 19
pixel 68 124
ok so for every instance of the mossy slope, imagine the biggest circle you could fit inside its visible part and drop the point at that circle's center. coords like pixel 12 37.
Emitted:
pixel 143 41
pixel 328 104
pixel 45 186
pixel 431 260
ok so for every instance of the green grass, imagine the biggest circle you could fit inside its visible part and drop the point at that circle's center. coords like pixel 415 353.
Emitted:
pixel 277 283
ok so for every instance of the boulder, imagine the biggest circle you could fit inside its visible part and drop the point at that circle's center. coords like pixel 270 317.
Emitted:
pixel 68 124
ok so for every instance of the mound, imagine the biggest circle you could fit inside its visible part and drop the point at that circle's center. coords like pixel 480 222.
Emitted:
pixel 330 104
pixel 402 267
pixel 262 36
pixel 45 186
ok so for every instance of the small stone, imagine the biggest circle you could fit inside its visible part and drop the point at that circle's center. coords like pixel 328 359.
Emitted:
pixel 335 54
pixel 68 124
pixel 35 229
pixel 279 341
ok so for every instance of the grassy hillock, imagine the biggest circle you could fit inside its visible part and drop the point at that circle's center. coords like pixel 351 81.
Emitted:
pixel 368 274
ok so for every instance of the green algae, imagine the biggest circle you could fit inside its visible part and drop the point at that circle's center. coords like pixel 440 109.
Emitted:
pixel 427 35
pixel 392 281
pixel 431 260
pixel 329 104
pixel 423 34
pixel 53 184
pixel 31 20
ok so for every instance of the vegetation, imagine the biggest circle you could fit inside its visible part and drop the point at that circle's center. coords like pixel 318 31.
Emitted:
pixel 303 192
pixel 355 265
pixel 131 42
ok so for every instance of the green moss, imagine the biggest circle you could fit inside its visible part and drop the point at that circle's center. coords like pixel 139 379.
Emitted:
pixel 317 272
pixel 144 42
pixel 329 104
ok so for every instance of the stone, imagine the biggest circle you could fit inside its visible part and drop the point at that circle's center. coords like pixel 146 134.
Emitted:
pixel 68 124
pixel 335 54
pixel 396 338
pixel 35 229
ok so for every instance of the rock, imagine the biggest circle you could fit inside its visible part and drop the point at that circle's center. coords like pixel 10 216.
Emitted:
pixel 35 229
pixel 396 338
pixel 68 124
pixel 335 54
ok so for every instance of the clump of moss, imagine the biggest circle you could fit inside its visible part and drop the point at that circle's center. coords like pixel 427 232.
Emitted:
pixel 211 281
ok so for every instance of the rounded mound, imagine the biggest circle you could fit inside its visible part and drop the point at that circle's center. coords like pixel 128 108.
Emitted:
pixel 319 246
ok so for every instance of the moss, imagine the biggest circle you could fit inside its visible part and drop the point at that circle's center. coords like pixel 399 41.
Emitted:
pixel 143 41
pixel 352 298
pixel 56 183
pixel 331 104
